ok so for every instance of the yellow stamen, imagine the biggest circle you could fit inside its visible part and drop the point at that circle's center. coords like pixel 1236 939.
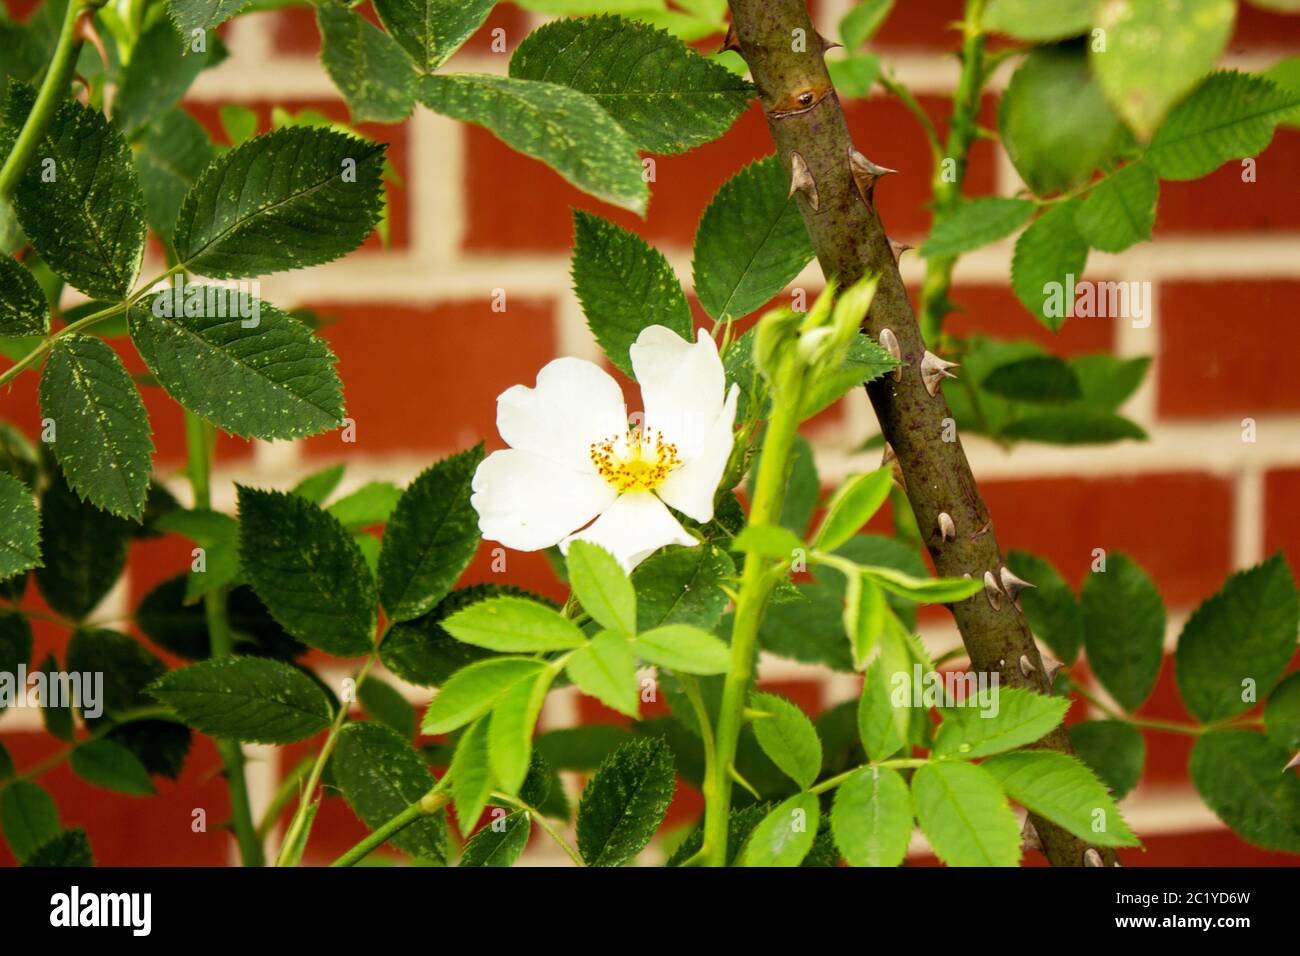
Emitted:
pixel 635 461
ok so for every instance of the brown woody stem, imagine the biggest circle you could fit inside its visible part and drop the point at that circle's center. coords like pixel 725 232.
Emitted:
pixel 784 55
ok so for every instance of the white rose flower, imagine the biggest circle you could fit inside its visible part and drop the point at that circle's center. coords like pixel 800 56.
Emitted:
pixel 573 457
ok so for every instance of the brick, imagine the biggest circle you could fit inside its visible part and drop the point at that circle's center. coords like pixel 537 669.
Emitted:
pixel 903 199
pixel 397 136
pixel 1167 753
pixel 522 569
pixel 929 25
pixel 48 636
pixel 591 711
pixel 1219 847
pixel 688 803
pixel 1282 508
pixel 433 347
pixel 1146 516
pixel 136 831
pixel 807 694
pixel 514 21
pixel 1220 342
pixel 20 407
pixel 20 10
pixel 1223 202
pixel 921 25
pixel 150 562
pixel 994 310
pixel 517 204
pixel 295 32
pixel 1259 28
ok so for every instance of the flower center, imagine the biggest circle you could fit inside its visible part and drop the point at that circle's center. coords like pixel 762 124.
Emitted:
pixel 636 461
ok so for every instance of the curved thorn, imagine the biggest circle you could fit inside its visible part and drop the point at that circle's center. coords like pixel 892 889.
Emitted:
pixel 730 42
pixel 865 173
pixel 827 44
pixel 934 370
pixel 86 30
pixel 801 179
pixel 897 249
pixel 895 467
pixel 992 591
pixel 1013 585
pixel 1029 837
pixel 736 776
pixel 889 342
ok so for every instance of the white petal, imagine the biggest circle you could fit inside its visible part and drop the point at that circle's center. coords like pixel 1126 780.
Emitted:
pixel 574 404
pixel 682 385
pixel 691 487
pixel 635 526
pixel 528 502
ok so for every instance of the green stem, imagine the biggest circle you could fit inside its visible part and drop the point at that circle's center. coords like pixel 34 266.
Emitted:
pixel 1168 726
pixel 199 442
pixel 756 583
pixel 429 804
pixel 904 96
pixel 34 615
pixel 198 450
pixel 691 687
pixel 963 130
pixel 283 794
pixel 294 832
pixel 84 322
pixel 1149 723
pixel 58 76
pixel 542 822
pixel 1087 187
pixel 902 763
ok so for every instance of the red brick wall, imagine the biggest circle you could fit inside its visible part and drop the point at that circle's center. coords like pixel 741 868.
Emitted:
pixel 423 357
